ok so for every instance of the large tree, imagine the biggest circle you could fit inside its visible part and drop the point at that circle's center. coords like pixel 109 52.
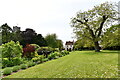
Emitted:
pixel 29 36
pixel 39 39
pixel 51 40
pixel 6 32
pixel 60 44
pixel 93 23
pixel 111 37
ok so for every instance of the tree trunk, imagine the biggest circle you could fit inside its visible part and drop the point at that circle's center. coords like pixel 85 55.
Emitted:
pixel 97 48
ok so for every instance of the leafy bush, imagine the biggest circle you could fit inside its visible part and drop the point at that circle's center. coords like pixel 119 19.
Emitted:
pixel 29 64
pixel 7 71
pixel 16 61
pixel 13 62
pixel 46 59
pixel 64 52
pixel 51 56
pixel 43 50
pixel 11 49
pixel 15 68
pixel 6 63
pixel 23 66
pixel 38 59
pixel 35 46
pixel 29 51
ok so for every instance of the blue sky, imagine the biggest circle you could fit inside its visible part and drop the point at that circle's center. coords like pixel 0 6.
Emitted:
pixel 45 16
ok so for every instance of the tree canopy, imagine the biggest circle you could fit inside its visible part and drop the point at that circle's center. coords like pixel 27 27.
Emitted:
pixel 53 42
pixel 92 24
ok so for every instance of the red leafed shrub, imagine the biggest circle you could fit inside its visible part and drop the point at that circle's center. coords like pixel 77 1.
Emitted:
pixel 27 50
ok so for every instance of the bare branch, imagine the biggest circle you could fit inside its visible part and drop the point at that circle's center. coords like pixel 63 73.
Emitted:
pixel 101 25
pixel 90 30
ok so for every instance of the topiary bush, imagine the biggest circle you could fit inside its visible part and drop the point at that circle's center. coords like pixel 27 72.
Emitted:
pixel 7 71
pixel 23 66
pixel 15 68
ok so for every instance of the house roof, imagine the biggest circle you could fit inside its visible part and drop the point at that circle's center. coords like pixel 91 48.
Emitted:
pixel 69 43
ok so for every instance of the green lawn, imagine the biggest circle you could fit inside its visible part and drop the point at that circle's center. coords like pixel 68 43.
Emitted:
pixel 78 64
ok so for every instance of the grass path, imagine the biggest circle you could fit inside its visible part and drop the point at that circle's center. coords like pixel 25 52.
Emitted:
pixel 78 64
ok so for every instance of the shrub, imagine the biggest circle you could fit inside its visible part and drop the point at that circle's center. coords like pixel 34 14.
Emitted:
pixel 29 51
pixel 38 58
pixel 51 56
pixel 46 59
pixel 7 71
pixel 35 46
pixel 11 50
pixel 66 52
pixel 13 62
pixel 6 63
pixel 43 50
pixel 16 61
pixel 29 64
pixel 23 66
pixel 35 59
pixel 15 68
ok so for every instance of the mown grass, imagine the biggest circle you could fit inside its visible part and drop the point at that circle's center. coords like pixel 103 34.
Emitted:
pixel 79 64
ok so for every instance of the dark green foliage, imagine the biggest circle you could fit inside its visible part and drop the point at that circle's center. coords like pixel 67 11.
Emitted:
pixel 7 71
pixel 60 44
pixel 44 51
pixel 51 40
pixel 6 31
pixel 28 35
pixel 39 39
pixel 9 63
pixel 64 52
pixel 23 66
pixel 15 68
pixel 31 37
pixel 16 61
pixel 6 63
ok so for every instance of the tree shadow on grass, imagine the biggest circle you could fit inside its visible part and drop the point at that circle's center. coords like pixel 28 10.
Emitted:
pixel 103 52
pixel 111 52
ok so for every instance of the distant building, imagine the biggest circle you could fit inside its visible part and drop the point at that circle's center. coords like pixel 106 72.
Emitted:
pixel 69 45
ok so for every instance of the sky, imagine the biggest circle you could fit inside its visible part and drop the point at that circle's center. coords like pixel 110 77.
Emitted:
pixel 45 16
